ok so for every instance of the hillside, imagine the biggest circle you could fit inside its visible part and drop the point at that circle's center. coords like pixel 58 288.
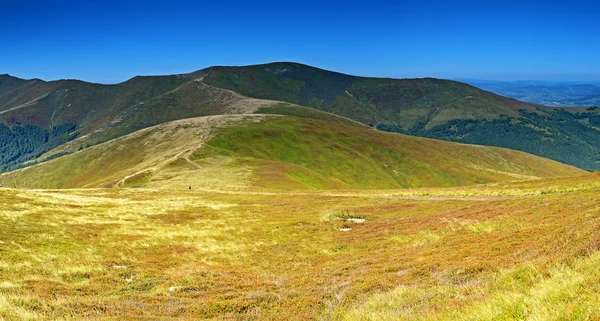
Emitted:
pixel 405 102
pixel 280 153
pixel 435 108
pixel 36 116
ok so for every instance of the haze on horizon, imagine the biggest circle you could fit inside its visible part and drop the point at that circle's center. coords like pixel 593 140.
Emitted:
pixel 109 42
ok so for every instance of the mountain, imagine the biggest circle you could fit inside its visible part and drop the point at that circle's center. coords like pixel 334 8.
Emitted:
pixel 402 102
pixel 38 116
pixel 280 153
pixel 434 108
pixel 568 94
pixel 260 209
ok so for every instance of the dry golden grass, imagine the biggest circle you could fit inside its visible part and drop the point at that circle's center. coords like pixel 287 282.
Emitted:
pixel 510 251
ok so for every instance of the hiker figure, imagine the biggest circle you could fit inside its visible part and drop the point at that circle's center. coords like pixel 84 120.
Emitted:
pixel 190 188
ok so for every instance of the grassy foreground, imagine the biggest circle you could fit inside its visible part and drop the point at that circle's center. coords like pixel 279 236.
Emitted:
pixel 510 251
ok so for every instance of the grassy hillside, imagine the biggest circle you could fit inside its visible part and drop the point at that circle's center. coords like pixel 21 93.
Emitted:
pixel 279 152
pixel 98 113
pixel 90 106
pixel 434 108
pixel 17 93
pixel 84 107
pixel 357 158
pixel 406 102
pixel 119 161
pixel 511 252
pixel 103 112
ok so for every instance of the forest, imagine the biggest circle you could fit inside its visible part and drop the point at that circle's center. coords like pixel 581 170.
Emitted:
pixel 24 142
pixel 571 138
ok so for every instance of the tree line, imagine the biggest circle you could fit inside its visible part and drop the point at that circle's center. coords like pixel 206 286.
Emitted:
pixel 23 142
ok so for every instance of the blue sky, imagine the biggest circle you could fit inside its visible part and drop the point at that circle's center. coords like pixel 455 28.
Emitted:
pixel 111 41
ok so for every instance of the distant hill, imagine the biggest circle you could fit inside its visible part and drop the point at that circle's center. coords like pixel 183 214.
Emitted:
pixel 555 94
pixel 403 102
pixel 42 120
pixel 280 153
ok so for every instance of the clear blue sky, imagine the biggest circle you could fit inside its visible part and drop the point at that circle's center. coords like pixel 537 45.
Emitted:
pixel 108 41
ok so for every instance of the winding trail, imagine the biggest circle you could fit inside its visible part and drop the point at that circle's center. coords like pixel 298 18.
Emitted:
pixel 200 80
pixel 121 182
pixel 184 155
pixel 204 139
pixel 25 104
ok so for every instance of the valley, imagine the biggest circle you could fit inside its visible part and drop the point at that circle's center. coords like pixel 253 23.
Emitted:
pixel 547 93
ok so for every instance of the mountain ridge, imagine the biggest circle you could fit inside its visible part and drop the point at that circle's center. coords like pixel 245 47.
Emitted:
pixel 428 107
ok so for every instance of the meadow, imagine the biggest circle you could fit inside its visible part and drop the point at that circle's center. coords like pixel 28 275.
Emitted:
pixel 500 251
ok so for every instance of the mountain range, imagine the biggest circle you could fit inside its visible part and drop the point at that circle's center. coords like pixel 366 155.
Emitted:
pixel 287 192
pixel 44 120
pixel 547 93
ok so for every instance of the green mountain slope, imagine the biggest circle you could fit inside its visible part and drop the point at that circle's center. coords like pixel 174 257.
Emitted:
pixel 428 107
pixel 406 102
pixel 90 106
pixel 16 93
pixel 38 116
pixel 280 152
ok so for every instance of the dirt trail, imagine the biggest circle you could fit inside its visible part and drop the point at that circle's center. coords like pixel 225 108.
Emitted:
pixel 240 104
pixel 121 182
pixel 25 104
pixel 204 139
pixel 200 80
pixel 193 164
pixel 184 155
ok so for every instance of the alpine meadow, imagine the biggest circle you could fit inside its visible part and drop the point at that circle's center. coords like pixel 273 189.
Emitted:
pixel 283 191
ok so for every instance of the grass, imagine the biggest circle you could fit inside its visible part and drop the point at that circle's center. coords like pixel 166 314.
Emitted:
pixel 281 153
pixel 295 153
pixel 427 107
pixel 133 160
pixel 292 218
pixel 152 253
pixel 563 292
